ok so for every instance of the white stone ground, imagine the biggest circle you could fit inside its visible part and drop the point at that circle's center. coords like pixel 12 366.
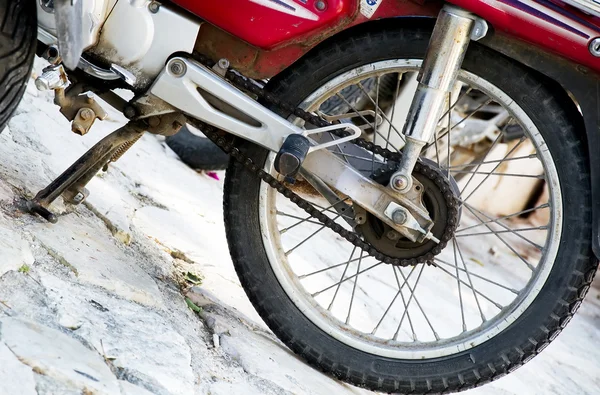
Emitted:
pixel 101 309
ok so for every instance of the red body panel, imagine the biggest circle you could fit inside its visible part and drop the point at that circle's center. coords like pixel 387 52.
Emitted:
pixel 269 23
pixel 265 36
pixel 557 28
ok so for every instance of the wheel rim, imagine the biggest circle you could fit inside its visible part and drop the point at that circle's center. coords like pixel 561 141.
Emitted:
pixel 406 313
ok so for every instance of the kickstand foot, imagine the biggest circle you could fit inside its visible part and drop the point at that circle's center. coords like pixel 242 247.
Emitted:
pixel 35 208
pixel 71 183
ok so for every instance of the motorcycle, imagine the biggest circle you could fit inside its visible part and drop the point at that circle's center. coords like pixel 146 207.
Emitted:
pixel 366 137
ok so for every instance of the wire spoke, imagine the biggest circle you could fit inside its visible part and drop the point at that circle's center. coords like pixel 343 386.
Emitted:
pixel 471 164
pixel 462 308
pixel 540 176
pixel 479 277
pixel 462 120
pixel 469 278
pixel 495 167
pixel 296 217
pixel 308 219
pixel 529 265
pixel 498 305
pixel 328 208
pixel 344 280
pixel 287 253
pixel 303 276
pixel 513 231
pixel 404 303
pixel 393 110
pixel 407 304
pixel 338 148
pixel 354 288
pixel 505 231
pixel 364 119
pixel 449 130
pixel 413 296
pixel 395 297
pixel 437 151
pixel 357 157
pixel 375 123
pixel 477 168
pixel 541 206
pixel 469 90
pixel 342 277
pixel 360 86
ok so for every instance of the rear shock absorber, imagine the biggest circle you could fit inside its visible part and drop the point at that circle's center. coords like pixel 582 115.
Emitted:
pixel 453 30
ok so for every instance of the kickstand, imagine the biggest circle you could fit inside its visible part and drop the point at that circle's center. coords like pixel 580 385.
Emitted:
pixel 71 183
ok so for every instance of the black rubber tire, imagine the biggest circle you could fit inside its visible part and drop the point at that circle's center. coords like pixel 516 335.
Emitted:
pixel 197 152
pixel 552 309
pixel 18 40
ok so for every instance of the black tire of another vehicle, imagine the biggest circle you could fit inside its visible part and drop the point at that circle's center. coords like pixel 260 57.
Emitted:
pixel 197 152
pixel 18 38
pixel 561 295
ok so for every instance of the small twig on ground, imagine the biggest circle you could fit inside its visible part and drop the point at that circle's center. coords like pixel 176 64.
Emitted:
pixel 103 352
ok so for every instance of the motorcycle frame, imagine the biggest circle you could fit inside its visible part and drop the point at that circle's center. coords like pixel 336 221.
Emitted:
pixel 188 85
pixel 553 41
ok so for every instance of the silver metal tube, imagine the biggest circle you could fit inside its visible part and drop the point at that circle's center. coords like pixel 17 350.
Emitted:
pixel 443 60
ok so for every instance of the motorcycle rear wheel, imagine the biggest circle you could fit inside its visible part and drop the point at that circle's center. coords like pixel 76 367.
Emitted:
pixel 18 38
pixel 484 350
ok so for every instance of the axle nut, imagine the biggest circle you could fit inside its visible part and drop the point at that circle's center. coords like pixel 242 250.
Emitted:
pixel 399 217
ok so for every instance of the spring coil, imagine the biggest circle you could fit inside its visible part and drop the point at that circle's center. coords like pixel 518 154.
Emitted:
pixel 119 152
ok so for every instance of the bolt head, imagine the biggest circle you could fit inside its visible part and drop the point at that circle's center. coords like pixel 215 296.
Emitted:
pixel 320 5
pixel 400 182
pixel 594 47
pixel 177 68
pixel 154 7
pixel 129 112
pixel 224 63
pixel 392 235
pixel 399 217
pixel 87 114
pixel 79 197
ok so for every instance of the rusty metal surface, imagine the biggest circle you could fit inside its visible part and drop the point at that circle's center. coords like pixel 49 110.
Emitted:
pixel 260 63
pixel 166 124
pixel 81 109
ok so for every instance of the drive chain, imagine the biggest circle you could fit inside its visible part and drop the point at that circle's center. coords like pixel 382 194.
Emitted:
pixel 435 174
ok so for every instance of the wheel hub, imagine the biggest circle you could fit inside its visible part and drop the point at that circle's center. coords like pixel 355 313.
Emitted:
pixel 388 241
